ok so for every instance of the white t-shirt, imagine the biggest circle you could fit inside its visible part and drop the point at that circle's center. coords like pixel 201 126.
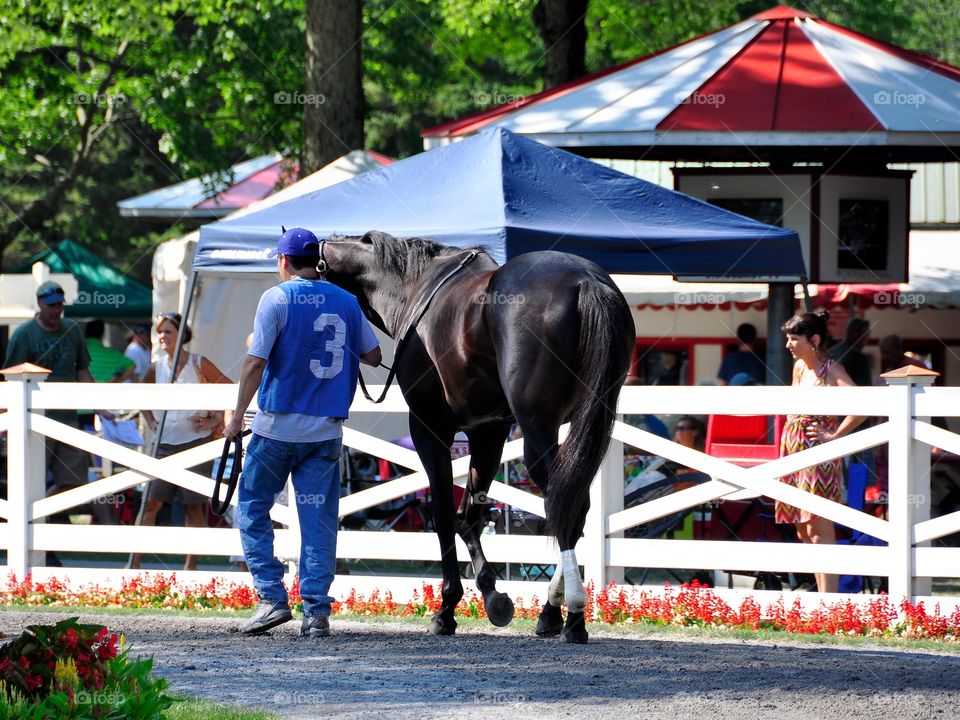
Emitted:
pixel 177 427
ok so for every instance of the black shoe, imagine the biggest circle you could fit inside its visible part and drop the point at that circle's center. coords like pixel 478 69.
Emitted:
pixel 52 560
pixel 268 616
pixel 315 627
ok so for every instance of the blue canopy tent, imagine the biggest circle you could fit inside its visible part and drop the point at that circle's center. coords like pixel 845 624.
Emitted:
pixel 511 195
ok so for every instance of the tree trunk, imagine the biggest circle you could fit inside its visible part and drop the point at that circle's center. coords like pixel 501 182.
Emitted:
pixel 333 98
pixel 563 29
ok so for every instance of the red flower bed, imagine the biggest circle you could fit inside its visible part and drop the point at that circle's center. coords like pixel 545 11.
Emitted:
pixel 689 605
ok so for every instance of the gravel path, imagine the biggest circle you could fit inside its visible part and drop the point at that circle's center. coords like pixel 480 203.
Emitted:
pixel 396 670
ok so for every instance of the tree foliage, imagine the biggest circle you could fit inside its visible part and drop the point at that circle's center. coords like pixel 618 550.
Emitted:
pixel 135 94
pixel 106 100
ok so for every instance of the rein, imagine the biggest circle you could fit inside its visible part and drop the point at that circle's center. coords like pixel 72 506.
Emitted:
pixel 216 507
pixel 419 316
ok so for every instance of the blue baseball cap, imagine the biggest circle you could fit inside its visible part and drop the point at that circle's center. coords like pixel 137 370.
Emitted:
pixel 296 241
pixel 49 293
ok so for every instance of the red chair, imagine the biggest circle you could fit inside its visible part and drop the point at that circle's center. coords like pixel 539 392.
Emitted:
pixel 744 439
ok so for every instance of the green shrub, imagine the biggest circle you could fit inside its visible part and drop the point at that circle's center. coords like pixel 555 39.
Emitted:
pixel 69 670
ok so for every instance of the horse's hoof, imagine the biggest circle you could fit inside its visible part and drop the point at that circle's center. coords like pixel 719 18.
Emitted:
pixel 499 608
pixel 439 626
pixel 574 631
pixel 550 622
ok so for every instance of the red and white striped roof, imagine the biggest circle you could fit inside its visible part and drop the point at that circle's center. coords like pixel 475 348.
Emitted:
pixel 780 78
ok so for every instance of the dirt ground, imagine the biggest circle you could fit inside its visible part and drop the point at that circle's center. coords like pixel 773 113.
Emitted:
pixel 397 670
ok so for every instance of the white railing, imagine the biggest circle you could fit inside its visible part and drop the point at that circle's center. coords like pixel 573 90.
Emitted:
pixel 904 409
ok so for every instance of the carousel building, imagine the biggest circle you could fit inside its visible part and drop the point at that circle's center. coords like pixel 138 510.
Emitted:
pixel 798 122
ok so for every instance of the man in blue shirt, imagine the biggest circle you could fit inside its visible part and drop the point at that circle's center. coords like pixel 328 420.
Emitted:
pixel 309 338
pixel 743 359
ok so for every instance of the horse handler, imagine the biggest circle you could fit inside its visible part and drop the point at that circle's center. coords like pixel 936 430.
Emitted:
pixel 309 338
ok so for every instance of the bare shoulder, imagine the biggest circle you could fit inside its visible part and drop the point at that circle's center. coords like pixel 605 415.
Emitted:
pixel 837 375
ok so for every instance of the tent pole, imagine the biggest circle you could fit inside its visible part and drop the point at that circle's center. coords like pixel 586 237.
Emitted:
pixel 155 440
pixel 779 310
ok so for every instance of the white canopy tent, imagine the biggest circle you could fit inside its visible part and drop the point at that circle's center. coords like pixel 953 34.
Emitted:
pixel 224 305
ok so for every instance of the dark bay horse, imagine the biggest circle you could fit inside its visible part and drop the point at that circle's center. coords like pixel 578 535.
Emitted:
pixel 540 341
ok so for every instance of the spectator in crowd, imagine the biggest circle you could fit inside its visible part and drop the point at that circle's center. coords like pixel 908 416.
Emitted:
pixel 650 423
pixel 690 432
pixel 806 340
pixel 849 352
pixel 56 343
pixel 671 371
pixel 742 379
pixel 138 350
pixel 182 429
pixel 106 363
pixel 297 431
pixel 743 359
pixel 892 355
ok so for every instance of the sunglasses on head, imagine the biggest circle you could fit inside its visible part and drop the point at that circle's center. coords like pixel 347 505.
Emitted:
pixel 686 427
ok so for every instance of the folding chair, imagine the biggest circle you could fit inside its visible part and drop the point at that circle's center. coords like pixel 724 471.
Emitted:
pixel 745 440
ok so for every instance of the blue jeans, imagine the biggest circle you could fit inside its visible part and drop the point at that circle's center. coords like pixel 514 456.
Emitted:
pixel 315 468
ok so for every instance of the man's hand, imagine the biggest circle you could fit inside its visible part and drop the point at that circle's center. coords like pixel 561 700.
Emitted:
pixel 234 427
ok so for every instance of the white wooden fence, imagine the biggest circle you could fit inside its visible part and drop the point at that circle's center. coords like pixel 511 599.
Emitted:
pixel 904 409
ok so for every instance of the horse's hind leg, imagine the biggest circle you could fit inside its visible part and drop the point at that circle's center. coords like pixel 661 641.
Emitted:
pixel 539 451
pixel 485 446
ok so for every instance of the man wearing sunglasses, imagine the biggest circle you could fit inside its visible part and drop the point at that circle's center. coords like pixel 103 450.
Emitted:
pixel 56 343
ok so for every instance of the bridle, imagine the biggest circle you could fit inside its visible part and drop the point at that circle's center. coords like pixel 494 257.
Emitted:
pixel 322 266
pixel 418 316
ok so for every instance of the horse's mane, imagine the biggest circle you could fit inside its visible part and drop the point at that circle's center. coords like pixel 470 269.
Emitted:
pixel 406 257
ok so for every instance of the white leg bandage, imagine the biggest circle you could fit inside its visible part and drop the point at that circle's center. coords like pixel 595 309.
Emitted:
pixel 576 595
pixel 555 592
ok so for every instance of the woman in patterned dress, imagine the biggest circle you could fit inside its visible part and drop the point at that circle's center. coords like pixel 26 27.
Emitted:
pixel 806 340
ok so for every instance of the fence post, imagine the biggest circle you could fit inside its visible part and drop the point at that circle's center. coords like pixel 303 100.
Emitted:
pixel 606 497
pixel 908 491
pixel 26 468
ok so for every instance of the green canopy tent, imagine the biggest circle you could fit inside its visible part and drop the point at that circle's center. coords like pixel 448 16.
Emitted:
pixel 103 291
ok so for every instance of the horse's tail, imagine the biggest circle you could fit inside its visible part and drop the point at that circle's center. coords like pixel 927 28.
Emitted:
pixel 606 338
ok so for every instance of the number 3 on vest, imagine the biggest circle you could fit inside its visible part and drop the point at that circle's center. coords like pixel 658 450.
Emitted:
pixel 334 346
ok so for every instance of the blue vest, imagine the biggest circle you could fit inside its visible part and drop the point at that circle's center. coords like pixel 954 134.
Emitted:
pixel 315 361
